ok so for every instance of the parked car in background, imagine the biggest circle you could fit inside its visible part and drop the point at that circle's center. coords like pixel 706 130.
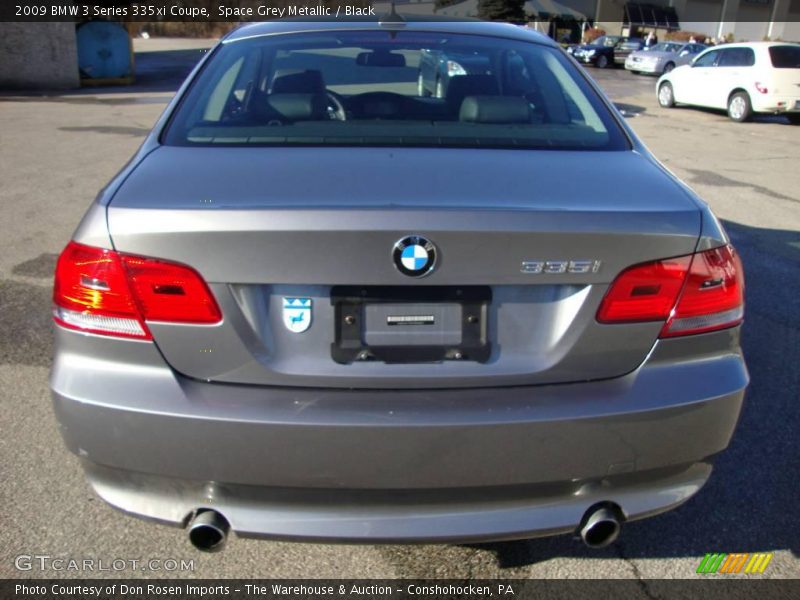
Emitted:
pixel 600 52
pixel 624 48
pixel 662 58
pixel 437 68
pixel 747 78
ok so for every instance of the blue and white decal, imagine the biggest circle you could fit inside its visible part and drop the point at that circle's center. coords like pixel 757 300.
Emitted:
pixel 297 314
pixel 414 256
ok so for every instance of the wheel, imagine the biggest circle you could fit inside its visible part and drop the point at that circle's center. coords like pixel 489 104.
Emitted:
pixel 668 67
pixel 602 62
pixel 739 107
pixel 794 118
pixel 666 96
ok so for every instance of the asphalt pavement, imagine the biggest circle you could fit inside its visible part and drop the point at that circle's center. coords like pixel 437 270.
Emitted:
pixel 57 150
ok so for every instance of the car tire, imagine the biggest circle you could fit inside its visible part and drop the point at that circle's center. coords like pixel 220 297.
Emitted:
pixel 739 107
pixel 666 95
pixel 794 118
pixel 668 67
pixel 601 62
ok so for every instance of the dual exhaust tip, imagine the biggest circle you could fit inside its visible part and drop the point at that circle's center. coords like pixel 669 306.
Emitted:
pixel 600 526
pixel 208 530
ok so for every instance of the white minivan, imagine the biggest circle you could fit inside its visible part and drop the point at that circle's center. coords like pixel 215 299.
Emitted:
pixel 747 78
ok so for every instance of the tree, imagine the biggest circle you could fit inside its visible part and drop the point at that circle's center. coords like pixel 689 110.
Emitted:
pixel 501 10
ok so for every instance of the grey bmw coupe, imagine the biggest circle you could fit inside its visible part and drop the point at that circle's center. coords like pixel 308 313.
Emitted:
pixel 662 58
pixel 319 305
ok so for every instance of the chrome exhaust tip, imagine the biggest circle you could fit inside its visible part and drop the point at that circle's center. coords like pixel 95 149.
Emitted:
pixel 600 526
pixel 208 531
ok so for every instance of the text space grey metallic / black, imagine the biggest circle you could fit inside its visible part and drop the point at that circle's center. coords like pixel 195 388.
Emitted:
pixel 323 302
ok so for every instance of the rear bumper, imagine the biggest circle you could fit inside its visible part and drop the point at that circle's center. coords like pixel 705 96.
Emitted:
pixel 775 104
pixel 332 515
pixel 413 465
pixel 643 67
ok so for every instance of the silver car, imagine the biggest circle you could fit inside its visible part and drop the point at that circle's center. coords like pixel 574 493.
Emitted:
pixel 663 57
pixel 318 305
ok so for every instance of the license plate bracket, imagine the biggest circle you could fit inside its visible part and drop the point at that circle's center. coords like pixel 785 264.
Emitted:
pixel 410 324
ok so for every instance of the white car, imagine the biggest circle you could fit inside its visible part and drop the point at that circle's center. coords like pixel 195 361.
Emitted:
pixel 759 77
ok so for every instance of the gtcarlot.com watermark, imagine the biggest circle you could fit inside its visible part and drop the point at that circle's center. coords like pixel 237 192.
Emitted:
pixel 45 562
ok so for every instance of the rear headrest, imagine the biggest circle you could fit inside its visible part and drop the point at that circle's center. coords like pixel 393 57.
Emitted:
pixel 296 107
pixel 495 109
pixel 461 86
pixel 293 81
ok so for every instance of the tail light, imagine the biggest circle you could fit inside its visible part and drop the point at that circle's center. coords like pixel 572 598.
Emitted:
pixel 106 292
pixel 692 294
pixel 644 292
pixel 713 296
pixel 761 87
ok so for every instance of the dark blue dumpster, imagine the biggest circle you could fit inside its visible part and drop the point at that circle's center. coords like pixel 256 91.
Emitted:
pixel 104 51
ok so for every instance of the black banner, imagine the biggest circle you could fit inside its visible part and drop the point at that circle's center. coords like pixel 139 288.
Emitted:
pixel 234 11
pixel 188 11
pixel 398 589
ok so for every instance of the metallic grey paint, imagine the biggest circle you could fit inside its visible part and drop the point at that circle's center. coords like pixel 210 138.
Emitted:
pixel 655 61
pixel 260 424
pixel 293 462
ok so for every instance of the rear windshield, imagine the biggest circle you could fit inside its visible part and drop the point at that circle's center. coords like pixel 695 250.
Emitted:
pixel 666 47
pixel 376 88
pixel 785 57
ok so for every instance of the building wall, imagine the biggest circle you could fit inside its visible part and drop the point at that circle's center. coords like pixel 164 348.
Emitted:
pixel 585 7
pixel 752 20
pixel 38 56
pixel 706 28
pixel 787 21
pixel 701 16
pixel 746 20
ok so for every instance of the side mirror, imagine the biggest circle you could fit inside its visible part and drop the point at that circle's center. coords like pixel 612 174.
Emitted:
pixel 380 59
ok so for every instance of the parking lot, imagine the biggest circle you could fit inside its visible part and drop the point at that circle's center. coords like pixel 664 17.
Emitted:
pixel 57 150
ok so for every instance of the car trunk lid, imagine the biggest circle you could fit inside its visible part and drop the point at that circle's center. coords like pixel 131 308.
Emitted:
pixel 264 225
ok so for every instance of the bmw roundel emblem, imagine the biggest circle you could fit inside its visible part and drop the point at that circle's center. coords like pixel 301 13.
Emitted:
pixel 414 256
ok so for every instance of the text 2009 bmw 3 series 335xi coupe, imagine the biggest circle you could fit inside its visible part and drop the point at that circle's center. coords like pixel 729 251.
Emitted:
pixel 320 303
